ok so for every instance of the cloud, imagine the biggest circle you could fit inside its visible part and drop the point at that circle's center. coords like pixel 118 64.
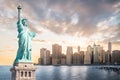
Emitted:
pixel 8 15
pixel 75 17
pixel 110 28
pixel 81 18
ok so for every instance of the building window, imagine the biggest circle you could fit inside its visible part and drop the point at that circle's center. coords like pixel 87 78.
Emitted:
pixel 29 74
pixel 22 74
pixel 25 65
pixel 25 74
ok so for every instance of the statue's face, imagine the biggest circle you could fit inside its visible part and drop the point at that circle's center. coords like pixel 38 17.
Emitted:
pixel 24 22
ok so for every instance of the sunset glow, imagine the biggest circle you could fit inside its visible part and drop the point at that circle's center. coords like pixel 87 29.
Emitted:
pixel 65 22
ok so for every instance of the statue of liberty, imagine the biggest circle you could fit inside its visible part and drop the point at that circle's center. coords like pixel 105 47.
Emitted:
pixel 24 43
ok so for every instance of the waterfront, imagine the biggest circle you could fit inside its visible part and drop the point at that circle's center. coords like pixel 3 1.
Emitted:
pixel 67 73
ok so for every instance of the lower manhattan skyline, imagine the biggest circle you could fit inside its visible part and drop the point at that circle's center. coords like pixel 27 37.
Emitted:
pixel 65 22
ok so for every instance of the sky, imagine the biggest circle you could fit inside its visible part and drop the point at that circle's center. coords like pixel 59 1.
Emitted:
pixel 65 22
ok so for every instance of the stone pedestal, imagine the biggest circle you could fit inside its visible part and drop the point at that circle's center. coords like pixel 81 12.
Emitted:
pixel 23 71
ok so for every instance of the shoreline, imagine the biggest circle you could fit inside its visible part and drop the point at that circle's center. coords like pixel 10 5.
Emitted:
pixel 74 65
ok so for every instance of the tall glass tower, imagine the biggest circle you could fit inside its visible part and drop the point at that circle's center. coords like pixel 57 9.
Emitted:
pixel 109 52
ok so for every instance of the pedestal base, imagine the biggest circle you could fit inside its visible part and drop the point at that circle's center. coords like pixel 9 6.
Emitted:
pixel 23 71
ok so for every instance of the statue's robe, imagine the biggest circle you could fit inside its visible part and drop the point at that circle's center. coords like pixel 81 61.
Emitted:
pixel 24 43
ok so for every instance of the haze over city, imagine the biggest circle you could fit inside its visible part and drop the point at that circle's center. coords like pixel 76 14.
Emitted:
pixel 65 22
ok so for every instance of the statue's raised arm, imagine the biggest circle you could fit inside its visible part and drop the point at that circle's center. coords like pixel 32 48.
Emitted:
pixel 19 12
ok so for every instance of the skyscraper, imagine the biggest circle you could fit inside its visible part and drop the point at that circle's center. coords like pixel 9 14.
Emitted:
pixel 107 57
pixel 88 55
pixel 87 59
pixel 95 54
pixel 69 53
pixel 56 54
pixel 42 52
pixel 44 56
pixel 76 58
pixel 116 57
pixel 47 57
pixel 90 51
pixel 78 49
pixel 63 59
pixel 109 52
pixel 100 51
pixel 110 47
pixel 81 53
pixel 104 59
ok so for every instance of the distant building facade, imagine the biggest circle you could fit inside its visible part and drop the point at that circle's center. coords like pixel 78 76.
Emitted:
pixel 81 53
pixel 45 56
pixel 76 58
pixel 78 49
pixel 69 54
pixel 104 54
pixel 109 52
pixel 100 51
pixel 42 52
pixel 87 59
pixel 56 54
pixel 63 59
pixel 90 53
pixel 116 57
pixel 95 54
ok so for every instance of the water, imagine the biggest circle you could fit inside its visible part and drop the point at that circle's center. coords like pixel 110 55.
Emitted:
pixel 66 73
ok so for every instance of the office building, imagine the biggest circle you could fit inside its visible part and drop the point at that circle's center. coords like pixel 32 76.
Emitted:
pixel 69 54
pixel 42 52
pixel 100 51
pixel 109 52
pixel 116 57
pixel 44 56
pixel 104 54
pixel 63 59
pixel 76 58
pixel 78 49
pixel 56 54
pixel 90 52
pixel 87 59
pixel 95 54
pixel 81 57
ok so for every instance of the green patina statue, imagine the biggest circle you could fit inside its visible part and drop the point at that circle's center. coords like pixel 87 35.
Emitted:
pixel 24 42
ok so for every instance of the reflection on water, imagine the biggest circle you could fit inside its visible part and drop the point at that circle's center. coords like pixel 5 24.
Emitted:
pixel 67 73
pixel 61 72
pixel 111 68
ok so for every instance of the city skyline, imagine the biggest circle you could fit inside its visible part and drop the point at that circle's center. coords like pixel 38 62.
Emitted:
pixel 78 49
pixel 93 55
pixel 65 22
